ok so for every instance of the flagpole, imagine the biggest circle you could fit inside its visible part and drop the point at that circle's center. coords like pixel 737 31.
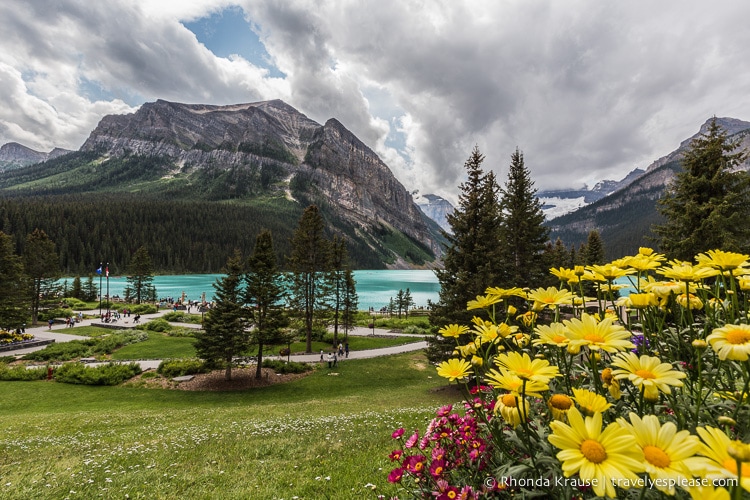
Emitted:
pixel 100 290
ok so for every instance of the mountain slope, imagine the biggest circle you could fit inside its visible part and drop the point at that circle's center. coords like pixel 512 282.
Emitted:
pixel 246 156
pixel 624 217
pixel 14 155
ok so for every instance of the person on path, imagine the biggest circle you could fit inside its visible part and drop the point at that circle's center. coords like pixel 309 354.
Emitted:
pixel 341 349
pixel 346 349
pixel 330 360
pixel 50 322
pixel 321 355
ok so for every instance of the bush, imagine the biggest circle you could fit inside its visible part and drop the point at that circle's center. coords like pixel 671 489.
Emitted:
pixel 157 325
pixel 20 372
pixel 63 351
pixel 182 317
pixel 415 330
pixel 179 367
pixel 283 367
pixel 178 331
pixel 109 374
pixel 141 308
pixel 112 342
pixel 74 303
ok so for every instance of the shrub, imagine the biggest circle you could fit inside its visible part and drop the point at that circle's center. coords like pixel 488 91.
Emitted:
pixel 109 374
pixel 112 342
pixel 157 325
pixel 283 367
pixel 141 308
pixel 179 367
pixel 177 331
pixel 63 351
pixel 20 372
pixel 74 303
pixel 182 317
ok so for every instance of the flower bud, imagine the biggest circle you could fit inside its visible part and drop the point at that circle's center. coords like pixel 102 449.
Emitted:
pixel 739 451
pixel 724 420
pixel 699 344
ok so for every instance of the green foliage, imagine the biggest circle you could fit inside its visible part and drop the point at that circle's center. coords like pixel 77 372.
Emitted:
pixel 14 292
pixel 20 372
pixel 171 368
pixel 65 351
pixel 284 367
pixel 157 325
pixel 109 374
pixel 709 203
pixel 73 303
pixel 142 308
pixel 182 317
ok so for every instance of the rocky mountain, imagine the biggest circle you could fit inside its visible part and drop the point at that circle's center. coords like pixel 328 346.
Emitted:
pixel 14 155
pixel 264 154
pixel 436 208
pixel 625 216
pixel 556 203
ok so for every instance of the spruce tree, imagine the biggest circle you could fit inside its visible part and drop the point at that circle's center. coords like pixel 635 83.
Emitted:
pixel 225 332
pixel 14 287
pixel 308 264
pixel 41 265
pixel 264 295
pixel 141 275
pixel 350 301
pixel 471 262
pixel 523 234
pixel 338 265
pixel 708 204
pixel 595 253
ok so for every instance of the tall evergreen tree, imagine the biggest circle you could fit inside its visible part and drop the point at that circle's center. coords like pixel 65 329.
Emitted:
pixel 338 265
pixel 471 263
pixel 524 235
pixel 708 204
pixel 350 302
pixel 41 265
pixel 264 295
pixel 308 264
pixel 76 290
pixel 141 275
pixel 595 253
pixel 14 289
pixel 225 333
pixel 90 290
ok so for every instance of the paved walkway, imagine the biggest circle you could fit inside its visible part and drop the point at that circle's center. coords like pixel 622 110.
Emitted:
pixel 60 333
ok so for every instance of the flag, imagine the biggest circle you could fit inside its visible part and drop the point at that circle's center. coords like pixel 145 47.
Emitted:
pixel 106 271
pixel 99 271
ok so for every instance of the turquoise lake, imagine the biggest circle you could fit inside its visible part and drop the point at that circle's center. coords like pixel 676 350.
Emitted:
pixel 374 288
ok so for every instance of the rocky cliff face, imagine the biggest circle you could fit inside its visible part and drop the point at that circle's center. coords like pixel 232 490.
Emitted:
pixel 14 155
pixel 338 167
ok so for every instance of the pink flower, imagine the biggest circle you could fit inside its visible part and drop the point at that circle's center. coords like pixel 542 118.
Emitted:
pixel 415 464
pixel 396 455
pixel 396 475
pixel 444 410
pixel 412 440
pixel 398 433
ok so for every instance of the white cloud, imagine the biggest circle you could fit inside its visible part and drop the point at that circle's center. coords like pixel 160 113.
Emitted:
pixel 586 89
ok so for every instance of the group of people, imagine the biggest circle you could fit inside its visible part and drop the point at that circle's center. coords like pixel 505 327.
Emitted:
pixel 334 356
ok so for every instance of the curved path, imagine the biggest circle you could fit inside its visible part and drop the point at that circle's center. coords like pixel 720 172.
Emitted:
pixel 59 334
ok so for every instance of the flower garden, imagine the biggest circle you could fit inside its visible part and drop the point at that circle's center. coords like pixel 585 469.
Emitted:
pixel 8 337
pixel 574 392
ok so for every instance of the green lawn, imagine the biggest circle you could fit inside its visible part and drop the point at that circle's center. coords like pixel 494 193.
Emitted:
pixel 323 436
pixel 88 331
pixel 158 346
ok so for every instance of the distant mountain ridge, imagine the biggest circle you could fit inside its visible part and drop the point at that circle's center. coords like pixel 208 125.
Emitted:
pixel 624 217
pixel 436 208
pixel 15 155
pixel 266 154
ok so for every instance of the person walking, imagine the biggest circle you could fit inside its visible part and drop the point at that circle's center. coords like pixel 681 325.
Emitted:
pixel 330 360
pixel 346 349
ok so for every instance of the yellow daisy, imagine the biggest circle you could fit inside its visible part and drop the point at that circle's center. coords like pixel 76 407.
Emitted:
pixel 453 330
pixel 600 458
pixel 609 272
pixel 685 271
pixel 564 274
pixel 558 405
pixel 595 335
pixel 538 370
pixel 553 334
pixel 670 456
pixel 505 293
pixel 590 402
pixel 648 373
pixel 642 262
pixel 700 492
pixel 731 342
pixel 689 301
pixel 638 300
pixel 549 297
pixel 512 408
pixel 721 464
pixel 454 369
pixel 512 383
pixel 482 302
pixel 721 260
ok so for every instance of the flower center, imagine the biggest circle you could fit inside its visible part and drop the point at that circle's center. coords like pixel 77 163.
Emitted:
pixel 524 373
pixel 731 465
pixel 560 402
pixel 647 374
pixel 737 337
pixel 656 456
pixel 593 337
pixel 593 451
pixel 559 339
pixel 509 400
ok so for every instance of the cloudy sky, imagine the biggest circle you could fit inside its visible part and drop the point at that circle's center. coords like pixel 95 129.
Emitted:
pixel 587 89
